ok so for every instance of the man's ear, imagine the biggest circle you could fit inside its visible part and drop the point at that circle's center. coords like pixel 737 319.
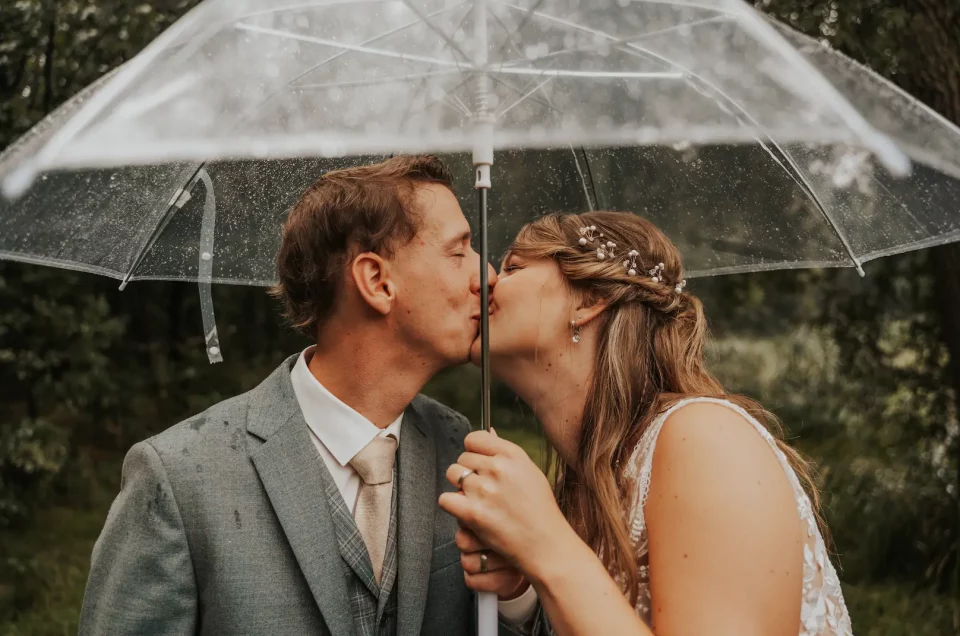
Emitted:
pixel 588 309
pixel 371 275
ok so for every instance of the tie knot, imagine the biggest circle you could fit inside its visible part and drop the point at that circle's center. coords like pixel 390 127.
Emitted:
pixel 374 462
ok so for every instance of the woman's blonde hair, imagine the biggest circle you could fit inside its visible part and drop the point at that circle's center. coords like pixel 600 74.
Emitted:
pixel 650 355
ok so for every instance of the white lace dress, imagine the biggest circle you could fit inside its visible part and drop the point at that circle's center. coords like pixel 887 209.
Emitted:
pixel 823 612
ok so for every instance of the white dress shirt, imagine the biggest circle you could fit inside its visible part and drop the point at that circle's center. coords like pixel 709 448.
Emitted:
pixel 339 433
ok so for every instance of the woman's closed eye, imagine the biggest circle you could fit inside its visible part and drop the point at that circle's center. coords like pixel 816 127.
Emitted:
pixel 510 264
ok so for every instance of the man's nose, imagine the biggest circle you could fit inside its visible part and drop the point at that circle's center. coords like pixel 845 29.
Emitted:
pixel 491 280
pixel 491 277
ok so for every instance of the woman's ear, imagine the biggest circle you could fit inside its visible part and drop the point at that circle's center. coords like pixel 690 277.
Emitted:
pixel 588 309
pixel 371 275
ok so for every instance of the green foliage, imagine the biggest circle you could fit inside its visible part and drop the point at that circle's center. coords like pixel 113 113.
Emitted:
pixel 898 610
pixel 55 338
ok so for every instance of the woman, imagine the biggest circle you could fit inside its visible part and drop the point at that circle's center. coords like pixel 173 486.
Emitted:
pixel 674 510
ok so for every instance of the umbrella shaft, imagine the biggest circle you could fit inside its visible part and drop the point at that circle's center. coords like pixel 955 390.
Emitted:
pixel 484 313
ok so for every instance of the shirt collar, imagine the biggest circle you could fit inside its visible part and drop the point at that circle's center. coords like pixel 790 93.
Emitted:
pixel 341 429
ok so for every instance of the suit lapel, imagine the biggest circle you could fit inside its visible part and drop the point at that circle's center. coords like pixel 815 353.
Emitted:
pixel 415 511
pixel 291 472
pixel 352 548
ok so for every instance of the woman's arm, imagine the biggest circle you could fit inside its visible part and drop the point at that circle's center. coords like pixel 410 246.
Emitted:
pixel 725 539
pixel 580 597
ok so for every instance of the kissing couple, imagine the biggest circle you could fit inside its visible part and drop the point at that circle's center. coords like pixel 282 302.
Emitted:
pixel 334 499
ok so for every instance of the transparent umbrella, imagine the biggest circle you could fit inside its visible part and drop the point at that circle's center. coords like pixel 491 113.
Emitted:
pixel 752 146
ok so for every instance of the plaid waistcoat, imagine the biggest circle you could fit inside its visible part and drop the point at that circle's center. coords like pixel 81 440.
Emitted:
pixel 374 605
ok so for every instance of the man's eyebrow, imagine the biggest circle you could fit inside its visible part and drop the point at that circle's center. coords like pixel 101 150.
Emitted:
pixel 458 240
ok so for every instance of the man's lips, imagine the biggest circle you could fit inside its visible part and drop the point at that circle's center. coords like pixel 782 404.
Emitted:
pixel 476 316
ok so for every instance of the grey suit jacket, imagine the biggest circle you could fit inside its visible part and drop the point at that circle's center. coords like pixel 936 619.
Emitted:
pixel 222 527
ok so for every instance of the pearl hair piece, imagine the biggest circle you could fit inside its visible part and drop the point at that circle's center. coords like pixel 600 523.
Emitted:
pixel 656 273
pixel 590 238
pixel 605 249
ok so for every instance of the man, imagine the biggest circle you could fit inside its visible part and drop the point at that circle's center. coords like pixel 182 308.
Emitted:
pixel 309 504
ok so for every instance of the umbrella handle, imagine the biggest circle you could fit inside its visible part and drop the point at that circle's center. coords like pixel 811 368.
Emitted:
pixel 487 614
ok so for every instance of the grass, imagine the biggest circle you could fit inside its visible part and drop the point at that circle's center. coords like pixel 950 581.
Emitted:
pixel 46 562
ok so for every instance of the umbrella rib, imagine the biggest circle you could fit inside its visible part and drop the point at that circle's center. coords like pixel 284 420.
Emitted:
pixel 526 92
pixel 807 189
pixel 301 5
pixel 377 80
pixel 529 13
pixel 436 29
pixel 160 226
pixel 795 174
pixel 616 41
pixel 524 96
pixel 545 104
pixel 358 48
pixel 560 72
pixel 376 38
pixel 807 186
pixel 526 89
pixel 593 185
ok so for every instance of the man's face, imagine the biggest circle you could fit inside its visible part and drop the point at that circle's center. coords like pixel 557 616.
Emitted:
pixel 438 281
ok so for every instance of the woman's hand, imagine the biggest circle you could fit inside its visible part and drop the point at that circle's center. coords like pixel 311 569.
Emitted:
pixel 486 571
pixel 506 503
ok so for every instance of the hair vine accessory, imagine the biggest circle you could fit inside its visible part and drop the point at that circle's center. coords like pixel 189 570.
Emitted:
pixel 656 273
pixel 604 248
pixel 589 237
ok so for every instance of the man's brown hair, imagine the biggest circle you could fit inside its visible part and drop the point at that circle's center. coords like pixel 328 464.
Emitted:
pixel 344 213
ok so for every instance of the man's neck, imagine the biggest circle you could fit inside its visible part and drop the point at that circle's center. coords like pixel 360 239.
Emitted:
pixel 376 381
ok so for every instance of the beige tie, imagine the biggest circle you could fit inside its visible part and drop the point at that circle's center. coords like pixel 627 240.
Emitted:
pixel 374 464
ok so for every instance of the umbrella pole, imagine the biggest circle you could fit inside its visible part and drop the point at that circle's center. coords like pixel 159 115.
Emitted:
pixel 487 607
pixel 484 310
pixel 487 602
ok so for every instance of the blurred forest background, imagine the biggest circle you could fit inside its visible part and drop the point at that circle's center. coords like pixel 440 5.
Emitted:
pixel 865 373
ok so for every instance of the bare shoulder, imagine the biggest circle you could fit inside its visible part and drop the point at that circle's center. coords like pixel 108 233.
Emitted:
pixel 710 431
pixel 708 450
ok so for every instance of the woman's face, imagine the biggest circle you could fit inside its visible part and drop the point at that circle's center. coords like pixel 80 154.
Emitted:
pixel 531 309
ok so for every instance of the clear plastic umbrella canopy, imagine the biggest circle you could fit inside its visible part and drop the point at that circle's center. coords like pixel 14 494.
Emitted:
pixel 752 146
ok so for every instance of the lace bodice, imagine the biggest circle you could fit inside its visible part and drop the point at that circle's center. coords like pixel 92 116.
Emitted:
pixel 823 612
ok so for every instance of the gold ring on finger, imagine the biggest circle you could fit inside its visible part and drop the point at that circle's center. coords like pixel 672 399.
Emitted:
pixel 483 563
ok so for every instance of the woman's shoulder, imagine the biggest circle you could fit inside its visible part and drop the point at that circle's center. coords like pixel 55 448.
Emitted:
pixel 701 420
pixel 698 440
pixel 712 430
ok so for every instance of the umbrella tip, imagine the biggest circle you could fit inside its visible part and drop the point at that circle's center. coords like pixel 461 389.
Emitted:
pixel 17 182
